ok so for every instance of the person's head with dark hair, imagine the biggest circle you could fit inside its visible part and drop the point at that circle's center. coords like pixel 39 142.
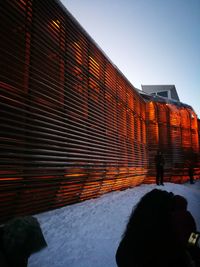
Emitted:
pixel 179 203
pixel 150 238
pixel 21 237
pixel 183 223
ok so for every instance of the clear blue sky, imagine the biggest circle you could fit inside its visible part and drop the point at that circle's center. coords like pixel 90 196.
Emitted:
pixel 150 41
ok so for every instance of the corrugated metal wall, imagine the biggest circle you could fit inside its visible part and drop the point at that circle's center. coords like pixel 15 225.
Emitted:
pixel 72 127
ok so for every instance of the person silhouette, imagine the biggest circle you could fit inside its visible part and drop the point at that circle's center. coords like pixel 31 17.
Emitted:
pixel 19 238
pixel 157 233
pixel 191 172
pixel 159 162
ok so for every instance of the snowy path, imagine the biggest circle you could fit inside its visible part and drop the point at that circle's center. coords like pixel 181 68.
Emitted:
pixel 87 234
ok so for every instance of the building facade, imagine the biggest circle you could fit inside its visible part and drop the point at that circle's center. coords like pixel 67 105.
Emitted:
pixel 72 125
pixel 167 91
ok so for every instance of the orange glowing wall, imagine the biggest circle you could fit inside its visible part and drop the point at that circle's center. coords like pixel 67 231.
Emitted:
pixel 174 130
pixel 72 126
pixel 198 125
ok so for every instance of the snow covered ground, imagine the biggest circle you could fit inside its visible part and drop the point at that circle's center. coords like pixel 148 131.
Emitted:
pixel 87 234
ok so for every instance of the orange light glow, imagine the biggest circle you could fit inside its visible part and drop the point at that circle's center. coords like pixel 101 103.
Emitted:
pixel 74 175
pixel 94 61
pixel 76 44
pixel 56 23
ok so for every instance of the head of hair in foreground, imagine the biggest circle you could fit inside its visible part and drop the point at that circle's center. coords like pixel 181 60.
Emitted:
pixel 19 238
pixel 157 233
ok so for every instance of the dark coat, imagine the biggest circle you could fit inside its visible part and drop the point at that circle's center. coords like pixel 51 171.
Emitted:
pixel 157 234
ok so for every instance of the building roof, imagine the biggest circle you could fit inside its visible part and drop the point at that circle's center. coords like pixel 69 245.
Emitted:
pixel 157 98
pixel 166 91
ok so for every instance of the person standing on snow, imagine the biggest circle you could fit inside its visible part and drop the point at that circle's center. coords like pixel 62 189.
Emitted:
pixel 160 162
